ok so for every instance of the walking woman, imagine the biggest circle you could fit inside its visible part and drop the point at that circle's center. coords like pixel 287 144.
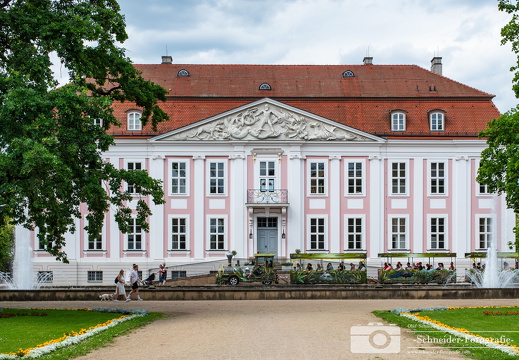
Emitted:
pixel 119 286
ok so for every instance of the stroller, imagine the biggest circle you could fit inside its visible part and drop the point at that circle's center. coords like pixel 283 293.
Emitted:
pixel 149 280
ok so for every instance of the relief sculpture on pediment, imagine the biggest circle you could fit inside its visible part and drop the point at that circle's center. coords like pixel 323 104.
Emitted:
pixel 267 122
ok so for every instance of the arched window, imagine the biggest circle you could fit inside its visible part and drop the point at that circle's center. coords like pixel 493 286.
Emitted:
pixel 134 121
pixel 398 121
pixel 265 86
pixel 348 73
pixel 183 73
pixel 437 121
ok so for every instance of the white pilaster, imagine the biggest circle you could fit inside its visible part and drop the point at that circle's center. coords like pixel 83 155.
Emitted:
pixel 198 192
pixel 334 195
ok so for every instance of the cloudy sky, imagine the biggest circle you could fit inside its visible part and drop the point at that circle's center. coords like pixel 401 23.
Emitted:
pixel 465 33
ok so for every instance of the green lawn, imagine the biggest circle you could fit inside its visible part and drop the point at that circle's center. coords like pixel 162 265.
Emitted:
pixel 22 332
pixel 472 319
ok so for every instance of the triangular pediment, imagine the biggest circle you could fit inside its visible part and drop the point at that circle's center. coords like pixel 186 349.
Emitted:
pixel 270 120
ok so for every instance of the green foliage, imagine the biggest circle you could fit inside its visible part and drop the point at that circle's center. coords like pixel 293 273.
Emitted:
pixel 328 277
pixel 6 247
pixel 51 161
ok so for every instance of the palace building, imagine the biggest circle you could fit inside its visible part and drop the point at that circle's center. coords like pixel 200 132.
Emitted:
pixel 370 159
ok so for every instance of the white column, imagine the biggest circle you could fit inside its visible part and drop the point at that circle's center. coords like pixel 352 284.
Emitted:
pixel 334 194
pixel 461 219
pixel 157 236
pixel 198 191
pixel 377 223
pixel 296 196
pixel 237 191
pixel 416 241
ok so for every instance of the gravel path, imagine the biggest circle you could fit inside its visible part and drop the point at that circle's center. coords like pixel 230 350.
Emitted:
pixel 283 329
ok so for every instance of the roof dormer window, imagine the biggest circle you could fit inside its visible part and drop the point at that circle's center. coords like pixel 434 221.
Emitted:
pixel 348 73
pixel 437 120
pixel 265 86
pixel 134 121
pixel 398 120
pixel 183 73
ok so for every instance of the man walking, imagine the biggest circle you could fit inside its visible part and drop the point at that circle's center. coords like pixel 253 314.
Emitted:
pixel 134 281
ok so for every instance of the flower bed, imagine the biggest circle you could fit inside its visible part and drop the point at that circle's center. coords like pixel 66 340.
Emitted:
pixel 494 343
pixel 416 276
pixel 328 277
pixel 74 337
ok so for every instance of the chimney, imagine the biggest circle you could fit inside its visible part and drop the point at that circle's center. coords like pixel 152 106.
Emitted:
pixel 436 65
pixel 167 59
pixel 368 60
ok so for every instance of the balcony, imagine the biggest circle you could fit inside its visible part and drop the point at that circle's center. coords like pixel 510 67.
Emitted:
pixel 274 197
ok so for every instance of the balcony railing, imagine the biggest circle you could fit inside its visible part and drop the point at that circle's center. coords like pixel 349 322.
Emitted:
pixel 276 196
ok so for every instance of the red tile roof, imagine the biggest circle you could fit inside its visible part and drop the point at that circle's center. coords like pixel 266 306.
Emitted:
pixel 362 101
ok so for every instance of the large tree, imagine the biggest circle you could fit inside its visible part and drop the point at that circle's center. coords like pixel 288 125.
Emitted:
pixel 500 161
pixel 50 151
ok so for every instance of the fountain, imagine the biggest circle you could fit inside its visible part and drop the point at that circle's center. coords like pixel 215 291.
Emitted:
pixel 23 276
pixel 492 276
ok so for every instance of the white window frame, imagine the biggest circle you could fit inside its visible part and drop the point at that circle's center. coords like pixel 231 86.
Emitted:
pixel 98 122
pixel 134 227
pixel 132 189
pixel 324 233
pixel 361 234
pixel 437 121
pixel 324 178
pixel 480 186
pixel 223 178
pixel 431 178
pixel 259 177
pixel 186 178
pixel 398 121
pixel 431 233
pixel 210 234
pixel 134 121
pixel 362 178
pixel 398 178
pixel 398 232
pixel 103 239
pixel 185 233
pixel 487 234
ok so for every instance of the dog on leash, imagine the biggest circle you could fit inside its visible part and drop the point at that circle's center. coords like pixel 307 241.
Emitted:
pixel 106 297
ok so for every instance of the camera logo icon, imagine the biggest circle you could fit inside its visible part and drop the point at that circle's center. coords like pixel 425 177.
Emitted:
pixel 375 339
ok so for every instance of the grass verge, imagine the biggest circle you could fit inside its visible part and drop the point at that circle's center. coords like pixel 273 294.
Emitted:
pixel 428 336
pixel 49 332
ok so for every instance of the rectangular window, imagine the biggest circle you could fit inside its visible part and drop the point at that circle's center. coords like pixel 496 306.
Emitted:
pixel 267 176
pixel 132 188
pixel 217 178
pixel 95 244
pixel 398 178
pixel 355 178
pixel 45 277
pixel 485 232
pixel 437 233
pixel 317 234
pixel 134 237
pixel 354 234
pixel 179 178
pixel 317 178
pixel 438 178
pixel 178 234
pixel 217 234
pixel 398 233
pixel 42 245
pixel 95 276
